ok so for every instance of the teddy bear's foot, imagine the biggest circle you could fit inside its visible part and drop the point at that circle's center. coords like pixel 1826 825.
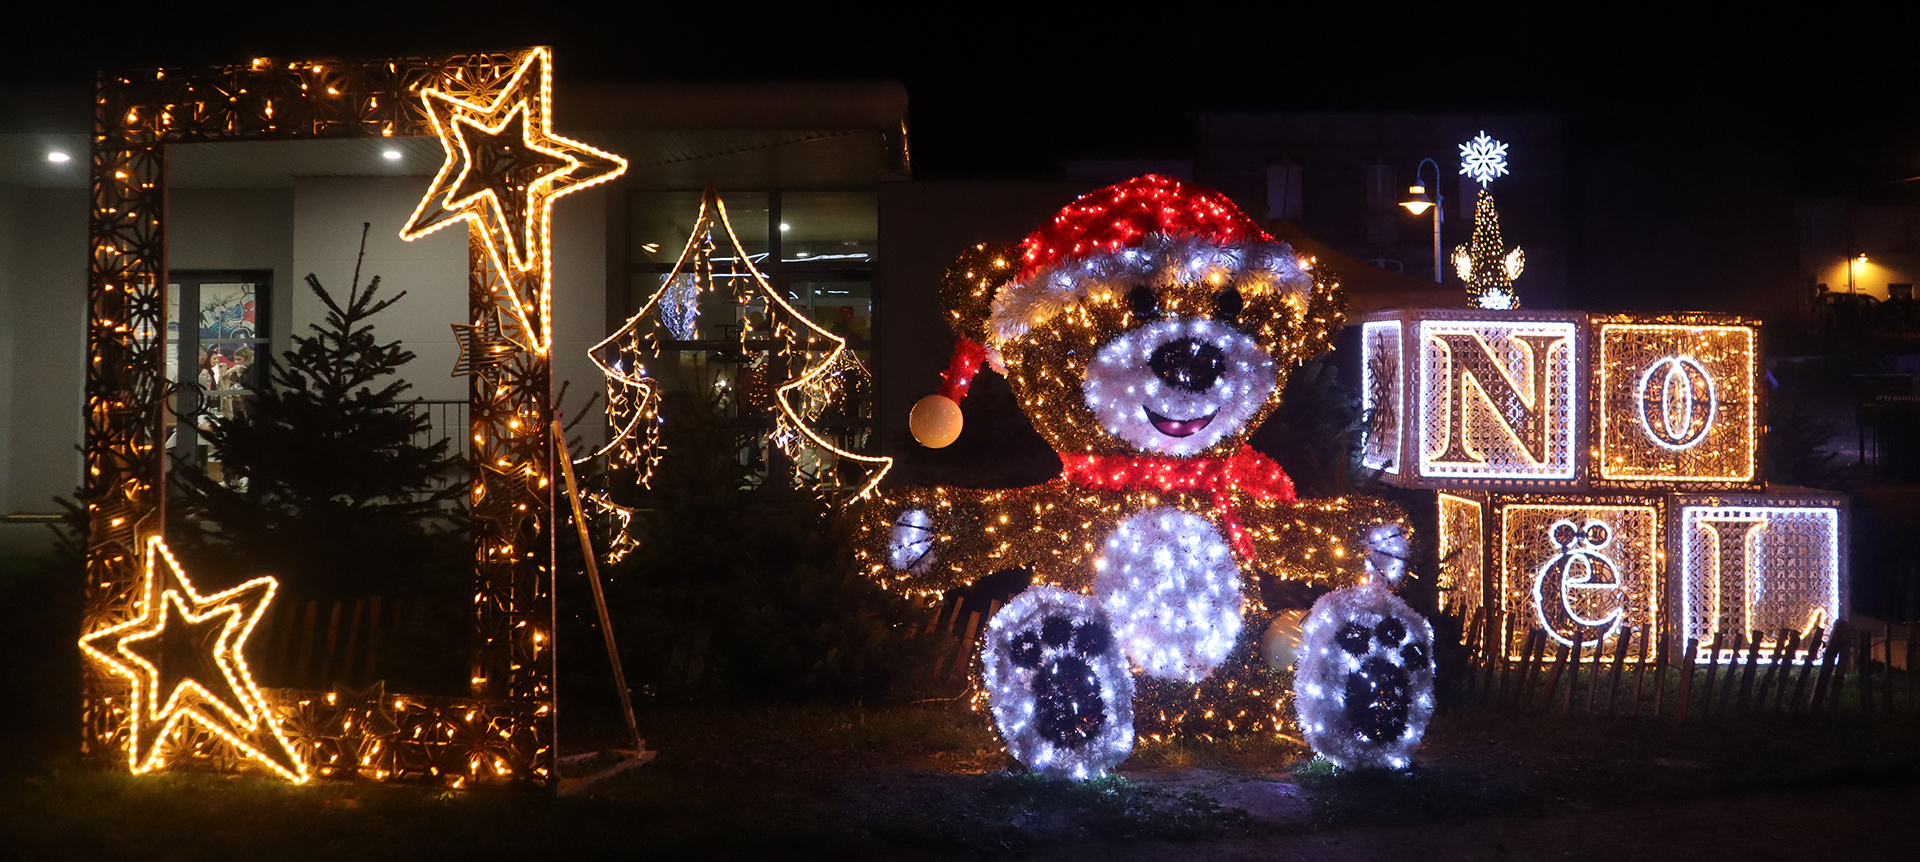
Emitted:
pixel 1058 685
pixel 1365 682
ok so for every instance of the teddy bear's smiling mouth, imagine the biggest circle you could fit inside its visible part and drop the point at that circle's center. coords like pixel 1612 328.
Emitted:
pixel 1179 427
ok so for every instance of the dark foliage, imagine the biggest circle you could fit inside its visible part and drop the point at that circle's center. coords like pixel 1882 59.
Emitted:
pixel 1796 447
pixel 748 588
pixel 325 483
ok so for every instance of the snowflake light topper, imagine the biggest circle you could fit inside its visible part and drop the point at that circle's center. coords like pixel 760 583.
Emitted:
pixel 1483 158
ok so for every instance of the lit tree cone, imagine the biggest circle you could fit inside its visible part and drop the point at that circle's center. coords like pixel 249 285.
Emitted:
pixel 1147 330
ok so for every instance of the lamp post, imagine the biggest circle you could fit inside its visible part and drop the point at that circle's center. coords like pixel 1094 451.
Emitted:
pixel 1417 202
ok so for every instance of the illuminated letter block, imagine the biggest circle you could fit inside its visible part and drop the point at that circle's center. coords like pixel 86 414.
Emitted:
pixel 1758 562
pixel 1475 399
pixel 1674 401
pixel 1579 567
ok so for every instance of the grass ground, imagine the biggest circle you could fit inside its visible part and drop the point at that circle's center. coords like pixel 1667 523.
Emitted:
pixel 930 781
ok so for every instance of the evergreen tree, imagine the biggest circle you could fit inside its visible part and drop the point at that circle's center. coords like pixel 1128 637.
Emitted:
pixel 325 485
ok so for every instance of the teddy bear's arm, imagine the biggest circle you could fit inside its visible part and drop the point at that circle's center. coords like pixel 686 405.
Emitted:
pixel 929 540
pixel 1328 541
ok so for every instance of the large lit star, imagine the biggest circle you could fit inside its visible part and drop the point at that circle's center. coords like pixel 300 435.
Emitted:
pixel 504 169
pixel 183 656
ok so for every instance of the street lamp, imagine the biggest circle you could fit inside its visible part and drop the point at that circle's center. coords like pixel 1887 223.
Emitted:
pixel 1417 202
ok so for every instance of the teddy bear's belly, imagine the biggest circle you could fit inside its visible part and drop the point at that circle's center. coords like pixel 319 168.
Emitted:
pixel 1170 584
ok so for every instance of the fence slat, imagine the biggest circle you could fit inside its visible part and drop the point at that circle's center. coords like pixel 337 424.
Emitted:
pixel 1713 668
pixel 1640 670
pixel 1863 664
pixel 1745 702
pixel 1686 677
pixel 1782 671
pixel 1812 646
pixel 1619 660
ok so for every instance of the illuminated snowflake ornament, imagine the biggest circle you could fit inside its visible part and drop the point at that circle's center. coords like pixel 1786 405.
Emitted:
pixel 1483 159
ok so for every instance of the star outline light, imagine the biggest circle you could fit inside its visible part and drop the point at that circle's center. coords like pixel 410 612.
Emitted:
pixel 243 606
pixel 1483 159
pixel 526 99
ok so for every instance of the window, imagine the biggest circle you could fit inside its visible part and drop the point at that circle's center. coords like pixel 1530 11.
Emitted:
pixel 217 355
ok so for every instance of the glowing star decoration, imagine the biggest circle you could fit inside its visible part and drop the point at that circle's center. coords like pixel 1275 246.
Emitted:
pixel 822 366
pixel 1364 685
pixel 1676 401
pixel 182 654
pixel 1483 159
pixel 1057 684
pixel 1767 563
pixel 504 169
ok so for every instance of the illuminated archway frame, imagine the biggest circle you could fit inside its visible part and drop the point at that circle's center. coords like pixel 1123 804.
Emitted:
pixel 505 731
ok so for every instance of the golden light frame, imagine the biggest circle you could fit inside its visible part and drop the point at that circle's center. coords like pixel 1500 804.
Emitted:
pixel 503 731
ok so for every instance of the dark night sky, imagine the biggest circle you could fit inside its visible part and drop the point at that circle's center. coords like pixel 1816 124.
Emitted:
pixel 1688 134
pixel 1007 90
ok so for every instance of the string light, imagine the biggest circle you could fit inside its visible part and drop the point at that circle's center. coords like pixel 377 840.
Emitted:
pixel 1497 398
pixel 1676 400
pixel 216 693
pixel 828 367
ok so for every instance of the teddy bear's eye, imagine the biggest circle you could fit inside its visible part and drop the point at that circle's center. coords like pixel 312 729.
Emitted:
pixel 1145 305
pixel 1227 305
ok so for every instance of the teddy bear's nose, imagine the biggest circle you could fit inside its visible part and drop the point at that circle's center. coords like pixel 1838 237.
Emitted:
pixel 1189 364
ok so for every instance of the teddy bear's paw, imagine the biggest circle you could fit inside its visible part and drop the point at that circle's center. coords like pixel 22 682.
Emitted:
pixel 1171 585
pixel 1386 547
pixel 1058 685
pixel 1364 686
pixel 910 542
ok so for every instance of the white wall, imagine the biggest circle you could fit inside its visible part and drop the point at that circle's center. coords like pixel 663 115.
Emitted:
pixel 43 321
pixel 327 214
pixel 237 229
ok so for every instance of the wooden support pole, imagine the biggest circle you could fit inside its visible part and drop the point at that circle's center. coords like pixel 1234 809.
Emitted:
pixel 593 578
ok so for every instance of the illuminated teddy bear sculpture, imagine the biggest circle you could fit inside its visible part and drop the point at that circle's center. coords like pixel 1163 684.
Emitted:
pixel 1147 330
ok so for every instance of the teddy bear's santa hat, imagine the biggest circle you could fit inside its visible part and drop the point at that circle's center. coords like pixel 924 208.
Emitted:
pixel 1150 229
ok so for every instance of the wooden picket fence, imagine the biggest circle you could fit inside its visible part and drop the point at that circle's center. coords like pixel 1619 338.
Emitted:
pixel 1852 669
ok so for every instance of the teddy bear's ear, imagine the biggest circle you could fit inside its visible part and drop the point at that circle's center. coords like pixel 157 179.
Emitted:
pixel 966 292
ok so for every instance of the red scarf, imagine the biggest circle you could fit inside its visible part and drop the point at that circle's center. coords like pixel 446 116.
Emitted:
pixel 1245 471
